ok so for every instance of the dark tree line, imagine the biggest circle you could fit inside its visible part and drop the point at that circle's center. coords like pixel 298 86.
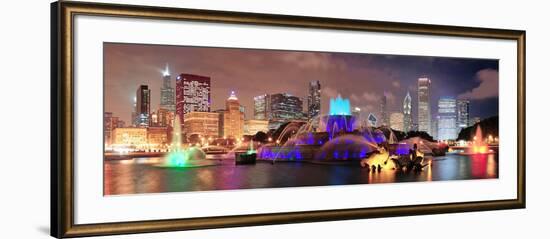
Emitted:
pixel 400 135
pixel 488 126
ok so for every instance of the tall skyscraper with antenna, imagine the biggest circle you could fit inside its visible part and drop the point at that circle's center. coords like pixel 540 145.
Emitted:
pixel 167 98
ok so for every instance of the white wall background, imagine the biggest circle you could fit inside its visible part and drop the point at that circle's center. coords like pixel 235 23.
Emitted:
pixel 24 136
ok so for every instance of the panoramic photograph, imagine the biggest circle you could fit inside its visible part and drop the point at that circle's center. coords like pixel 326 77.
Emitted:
pixel 191 118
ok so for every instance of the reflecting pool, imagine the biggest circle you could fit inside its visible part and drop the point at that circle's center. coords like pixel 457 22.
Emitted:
pixel 142 175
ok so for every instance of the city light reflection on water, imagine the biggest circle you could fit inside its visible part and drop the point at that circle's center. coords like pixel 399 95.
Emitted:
pixel 140 175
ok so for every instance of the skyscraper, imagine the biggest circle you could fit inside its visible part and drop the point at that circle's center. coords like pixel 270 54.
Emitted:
pixel 262 107
pixel 356 112
pixel 424 114
pixel 446 125
pixel 133 117
pixel 167 92
pixel 192 94
pixel 242 108
pixel 407 113
pixel 475 120
pixel 435 127
pixel 107 127
pixel 384 121
pixel 463 113
pixel 314 99
pixel 143 106
pixel 372 120
pixel 153 119
pixel 284 107
pixel 165 117
pixel 233 118
pixel 397 121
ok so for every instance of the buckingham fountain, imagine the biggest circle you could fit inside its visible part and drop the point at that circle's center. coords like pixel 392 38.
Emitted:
pixel 337 136
pixel 337 141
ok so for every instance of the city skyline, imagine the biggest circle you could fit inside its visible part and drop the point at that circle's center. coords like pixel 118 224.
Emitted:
pixel 249 118
pixel 480 77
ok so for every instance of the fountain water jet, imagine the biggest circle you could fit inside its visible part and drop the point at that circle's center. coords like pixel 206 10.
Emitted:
pixel 179 157
pixel 478 146
pixel 251 149
pixel 339 119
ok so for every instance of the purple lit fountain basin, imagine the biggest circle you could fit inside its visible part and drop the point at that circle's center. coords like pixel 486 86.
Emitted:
pixel 318 153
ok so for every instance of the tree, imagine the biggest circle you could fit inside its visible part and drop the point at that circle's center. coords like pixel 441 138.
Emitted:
pixel 400 135
pixel 194 138
pixel 421 134
pixel 260 137
pixel 488 126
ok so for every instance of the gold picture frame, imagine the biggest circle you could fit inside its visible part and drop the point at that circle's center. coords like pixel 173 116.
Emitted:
pixel 62 121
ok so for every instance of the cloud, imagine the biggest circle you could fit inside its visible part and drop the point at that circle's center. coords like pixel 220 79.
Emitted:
pixel 488 87
pixel 371 97
pixel 369 108
pixel 329 92
pixel 312 60
pixel 396 84
pixel 355 98
pixel 412 88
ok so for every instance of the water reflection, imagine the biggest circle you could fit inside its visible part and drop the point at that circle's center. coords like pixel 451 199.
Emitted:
pixel 492 168
pixel 142 176
pixel 429 172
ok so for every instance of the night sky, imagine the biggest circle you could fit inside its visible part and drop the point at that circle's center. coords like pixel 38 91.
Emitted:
pixel 362 78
